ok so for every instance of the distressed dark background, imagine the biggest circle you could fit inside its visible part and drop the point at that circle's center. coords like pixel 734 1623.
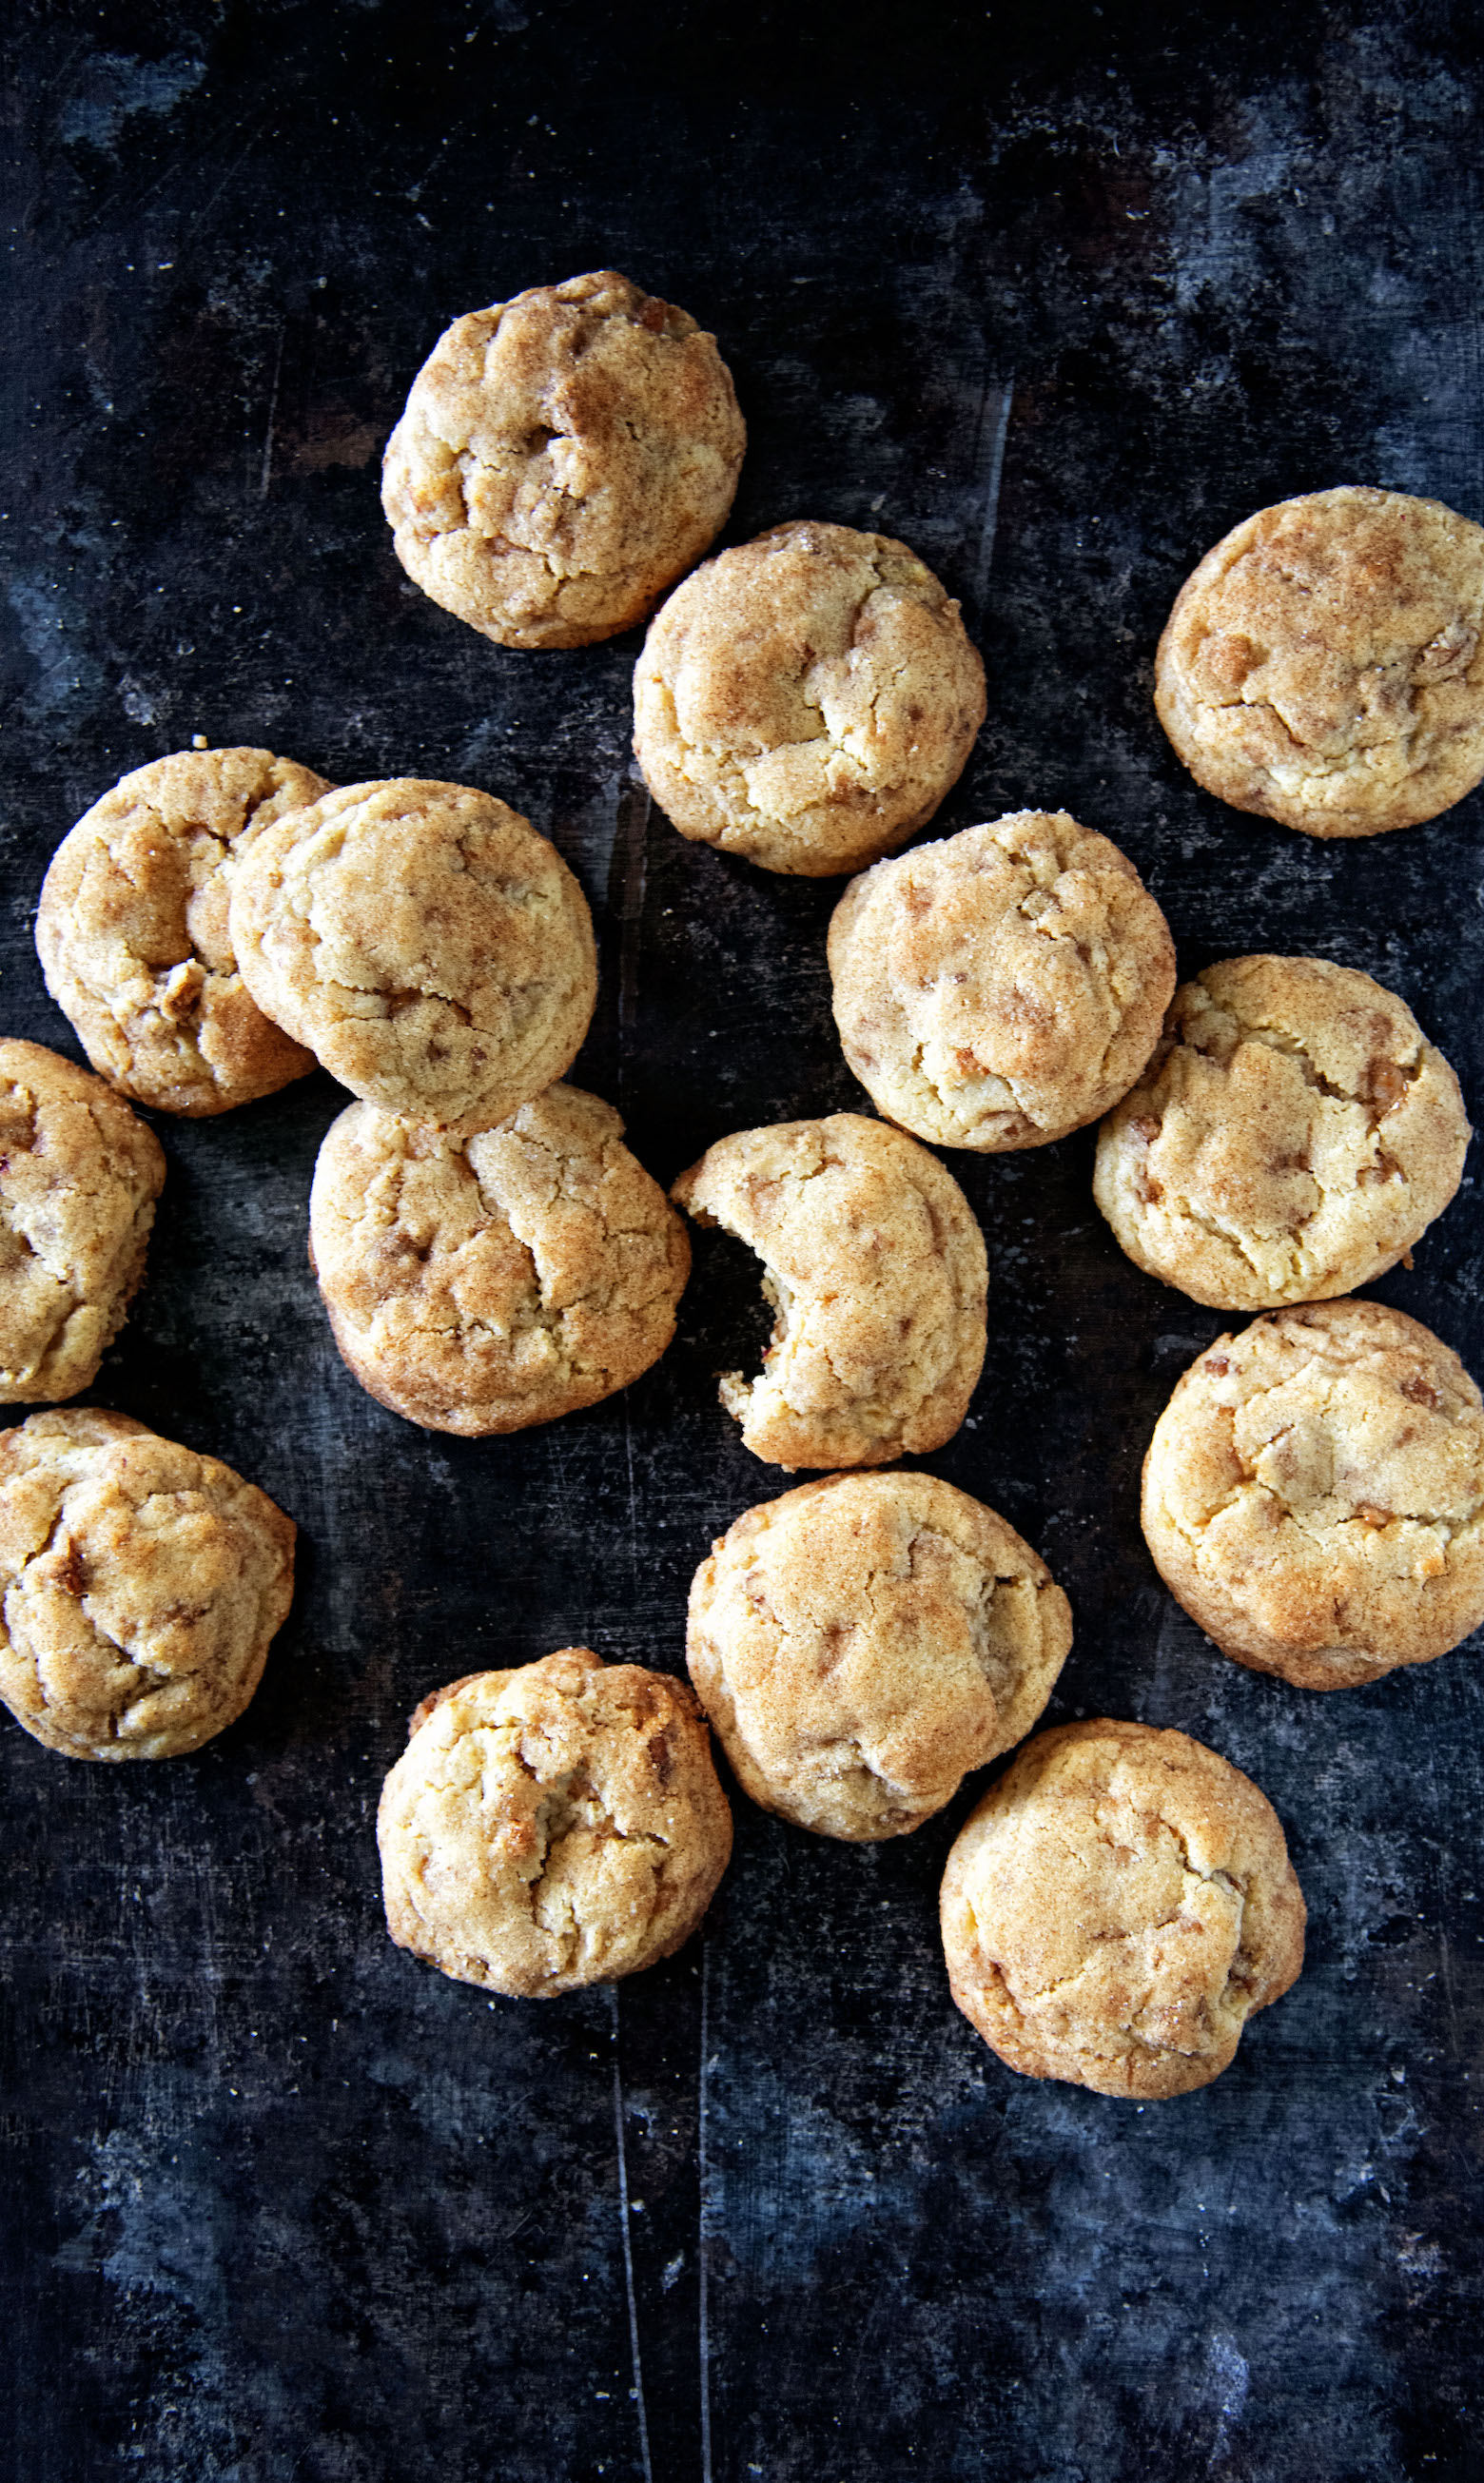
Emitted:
pixel 1058 295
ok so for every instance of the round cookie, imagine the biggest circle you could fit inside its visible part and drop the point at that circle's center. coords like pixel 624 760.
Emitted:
pixel 806 700
pixel 1117 1908
pixel 1291 1139
pixel 139 1585
pixel 877 1271
pixel 1324 666
pixel 79 1178
pixel 1003 986
pixel 561 458
pixel 1313 1495
pixel 433 951
pixel 132 931
pixel 861 1643
pixel 557 1825
pixel 484 1283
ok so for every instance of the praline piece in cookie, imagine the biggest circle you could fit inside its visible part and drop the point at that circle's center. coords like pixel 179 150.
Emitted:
pixel 1293 1136
pixel 876 1268
pixel 1001 987
pixel 480 1284
pixel 1324 665
pixel 806 700
pixel 433 951
pixel 139 1585
pixel 1314 1494
pixel 79 1178
pixel 557 1825
pixel 133 936
pixel 1117 1908
pixel 561 458
pixel 861 1643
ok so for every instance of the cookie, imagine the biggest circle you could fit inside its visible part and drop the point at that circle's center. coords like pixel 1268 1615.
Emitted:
pixel 139 1585
pixel 806 700
pixel 79 1178
pixel 861 1643
pixel 1313 1495
pixel 433 951
pixel 1117 1908
pixel 1291 1139
pixel 1003 986
pixel 484 1283
pixel 876 1268
pixel 557 1825
pixel 133 936
pixel 1323 665
pixel 561 458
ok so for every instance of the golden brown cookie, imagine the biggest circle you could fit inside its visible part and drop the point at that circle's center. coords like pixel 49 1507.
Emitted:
pixel 861 1643
pixel 139 1585
pixel 133 938
pixel 433 951
pixel 1323 665
pixel 561 458
pixel 1003 986
pixel 806 700
pixel 79 1178
pixel 558 1824
pixel 1291 1139
pixel 877 1271
pixel 480 1284
pixel 1313 1495
pixel 1117 1908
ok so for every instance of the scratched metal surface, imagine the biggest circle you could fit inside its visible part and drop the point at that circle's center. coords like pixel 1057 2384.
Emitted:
pixel 1058 296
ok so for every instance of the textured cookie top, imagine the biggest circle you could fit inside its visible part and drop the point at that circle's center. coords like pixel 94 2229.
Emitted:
pixel 433 951
pixel 1116 1909
pixel 139 1585
pixel 1323 665
pixel 1292 1137
pixel 558 1824
pixel 862 1643
pixel 133 935
pixel 79 1177
pixel 562 458
pixel 806 700
pixel 876 1268
pixel 479 1284
pixel 1314 1494
pixel 1003 986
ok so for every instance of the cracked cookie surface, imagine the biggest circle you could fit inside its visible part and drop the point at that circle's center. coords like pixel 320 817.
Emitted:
pixel 561 458
pixel 806 700
pixel 1002 987
pixel 1293 1136
pixel 861 1643
pixel 1117 1908
pixel 553 1825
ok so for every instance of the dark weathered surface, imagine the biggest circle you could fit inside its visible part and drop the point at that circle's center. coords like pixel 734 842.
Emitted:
pixel 280 2203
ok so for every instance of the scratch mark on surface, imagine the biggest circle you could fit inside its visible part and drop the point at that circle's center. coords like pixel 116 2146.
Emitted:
pixel 989 465
pixel 628 2248
pixel 273 407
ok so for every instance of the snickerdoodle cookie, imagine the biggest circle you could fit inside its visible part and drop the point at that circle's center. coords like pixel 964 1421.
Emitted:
pixel 877 1271
pixel 558 1824
pixel 861 1643
pixel 806 700
pixel 561 458
pixel 1324 666
pixel 139 1585
pixel 132 931
pixel 79 1178
pixel 1292 1137
pixel 483 1283
pixel 1314 1494
pixel 1117 1908
pixel 1003 986
pixel 433 951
